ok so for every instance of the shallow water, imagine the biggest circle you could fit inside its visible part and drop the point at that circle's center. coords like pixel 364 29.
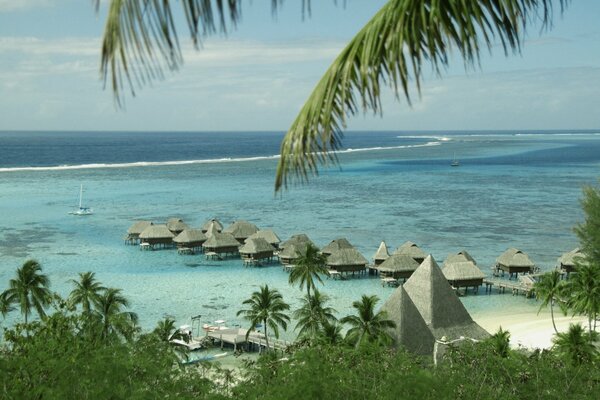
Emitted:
pixel 510 191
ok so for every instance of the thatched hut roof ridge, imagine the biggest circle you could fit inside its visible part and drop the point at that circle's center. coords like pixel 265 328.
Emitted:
pixel 568 258
pixel 221 239
pixel 515 258
pixel 461 256
pixel 256 245
pixel 412 250
pixel 462 271
pixel 241 229
pixel 267 234
pixel 344 257
pixel 176 225
pixel 382 252
pixel 190 236
pixel 398 263
pixel 212 223
pixel 138 227
pixel 336 245
pixel 156 232
pixel 299 238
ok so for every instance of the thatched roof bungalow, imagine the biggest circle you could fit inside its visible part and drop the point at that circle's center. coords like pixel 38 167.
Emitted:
pixel 212 224
pixel 461 256
pixel 191 238
pixel 566 262
pixel 133 233
pixel 176 225
pixel 463 274
pixel 299 238
pixel 256 249
pixel 398 266
pixel 439 305
pixel 514 261
pixel 336 245
pixel 347 260
pixel 241 230
pixel 381 254
pixel 411 249
pixel 157 235
pixel 411 331
pixel 292 252
pixel 221 243
pixel 267 234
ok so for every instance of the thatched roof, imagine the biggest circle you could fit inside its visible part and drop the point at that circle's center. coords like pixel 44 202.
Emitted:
pixel 296 239
pixel 176 225
pixel 398 263
pixel 462 271
pixel 568 259
pixel 439 306
pixel 293 250
pixel 461 256
pixel 241 229
pixel 156 232
pixel 346 257
pixel 267 234
pixel 190 236
pixel 411 249
pixel 515 258
pixel 382 252
pixel 212 223
pixel 337 244
pixel 411 331
pixel 138 227
pixel 256 245
pixel 220 239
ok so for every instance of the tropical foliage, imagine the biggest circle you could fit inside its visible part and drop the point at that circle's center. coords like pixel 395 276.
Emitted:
pixel 266 307
pixel 308 268
pixel 29 290
pixel 588 232
pixel 86 291
pixel 313 314
pixel 549 289
pixel 368 326
pixel 576 345
pixel 113 319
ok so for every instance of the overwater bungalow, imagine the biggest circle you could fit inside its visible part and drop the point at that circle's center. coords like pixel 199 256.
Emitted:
pixel 292 252
pixel 190 239
pixel 256 250
pixel 210 224
pixel 566 262
pixel 398 266
pixel 336 245
pixel 156 236
pixel 411 249
pixel 133 233
pixel 221 244
pixel 381 254
pixel 463 274
pixel 347 260
pixel 267 234
pixel 461 256
pixel 241 230
pixel 176 225
pixel 514 261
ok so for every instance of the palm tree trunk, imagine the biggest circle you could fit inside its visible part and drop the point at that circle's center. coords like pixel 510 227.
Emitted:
pixel 266 336
pixel 552 315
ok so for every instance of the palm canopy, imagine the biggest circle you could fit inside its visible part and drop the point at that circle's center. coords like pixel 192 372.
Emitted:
pixel 548 289
pixel 140 40
pixel 29 290
pixel 584 292
pixel 5 305
pixel 313 314
pixel 85 291
pixel 266 306
pixel 368 326
pixel 113 319
pixel 308 268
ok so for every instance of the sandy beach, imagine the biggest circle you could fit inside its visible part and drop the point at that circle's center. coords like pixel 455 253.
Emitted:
pixel 528 329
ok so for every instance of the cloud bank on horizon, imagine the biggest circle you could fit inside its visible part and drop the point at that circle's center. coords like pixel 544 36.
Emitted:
pixel 258 77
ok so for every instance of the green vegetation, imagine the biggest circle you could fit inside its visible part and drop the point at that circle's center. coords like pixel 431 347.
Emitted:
pixel 548 289
pixel 308 268
pixel 368 326
pixel 312 315
pixel 29 290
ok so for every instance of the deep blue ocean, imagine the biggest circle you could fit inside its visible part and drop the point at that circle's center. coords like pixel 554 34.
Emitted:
pixel 512 189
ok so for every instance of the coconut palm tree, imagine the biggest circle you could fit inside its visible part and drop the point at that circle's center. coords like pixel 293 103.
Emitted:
pixel 140 40
pixel 108 308
pixel 368 326
pixel 266 307
pixel 500 342
pixel 575 345
pixel 29 290
pixel 166 330
pixel 548 288
pixel 5 305
pixel 313 314
pixel 308 268
pixel 331 333
pixel 584 292
pixel 86 291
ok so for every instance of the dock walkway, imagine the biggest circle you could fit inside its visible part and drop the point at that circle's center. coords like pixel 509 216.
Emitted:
pixel 237 336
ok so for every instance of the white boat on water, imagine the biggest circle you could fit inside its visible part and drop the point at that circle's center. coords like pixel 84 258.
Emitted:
pixel 81 210
pixel 455 162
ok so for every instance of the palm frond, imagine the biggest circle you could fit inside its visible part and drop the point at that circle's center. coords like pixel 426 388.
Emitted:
pixel 392 48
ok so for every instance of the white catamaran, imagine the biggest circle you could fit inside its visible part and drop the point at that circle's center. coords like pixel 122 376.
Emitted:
pixel 81 210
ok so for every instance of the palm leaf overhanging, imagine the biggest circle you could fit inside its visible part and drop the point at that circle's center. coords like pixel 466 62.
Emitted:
pixel 140 39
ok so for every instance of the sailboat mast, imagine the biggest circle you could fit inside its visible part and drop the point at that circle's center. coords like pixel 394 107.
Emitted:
pixel 80 194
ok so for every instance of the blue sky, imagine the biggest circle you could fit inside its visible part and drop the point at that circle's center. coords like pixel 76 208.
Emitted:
pixel 258 77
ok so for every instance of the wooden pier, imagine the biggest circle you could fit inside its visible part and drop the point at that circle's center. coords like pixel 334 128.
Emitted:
pixel 516 288
pixel 237 337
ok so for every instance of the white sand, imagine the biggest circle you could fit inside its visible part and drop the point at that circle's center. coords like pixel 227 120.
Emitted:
pixel 528 329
